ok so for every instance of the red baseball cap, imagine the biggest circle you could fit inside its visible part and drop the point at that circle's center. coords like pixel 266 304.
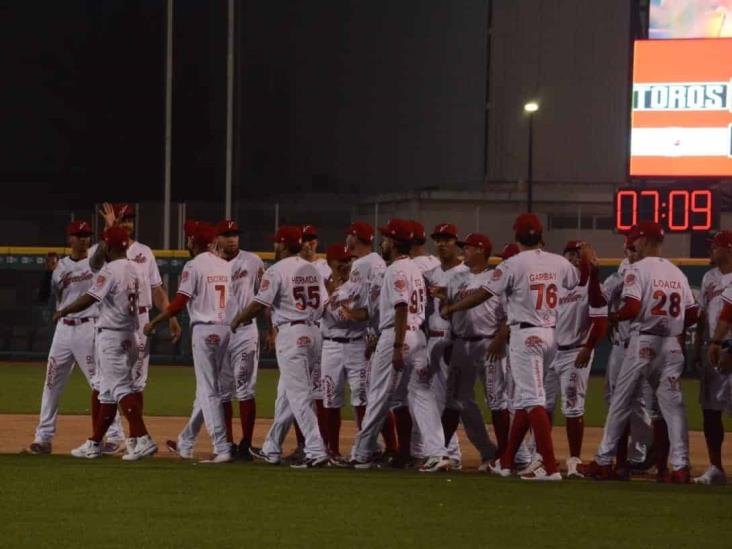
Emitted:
pixel 445 229
pixel 400 230
pixel 478 240
pixel 79 228
pixel 419 233
pixel 573 245
pixel 338 252
pixel 309 232
pixel 527 224
pixel 116 238
pixel 722 239
pixel 227 226
pixel 189 227
pixel 361 230
pixel 509 250
pixel 203 235
pixel 127 210
pixel 645 228
pixel 290 235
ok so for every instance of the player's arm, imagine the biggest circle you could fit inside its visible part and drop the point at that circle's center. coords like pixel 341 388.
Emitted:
pixel 598 327
pixel 96 261
pixel 720 333
pixel 254 309
pixel 473 299
pixel 170 312
pixel 162 302
pixel 400 332
pixel 497 348
pixel 81 303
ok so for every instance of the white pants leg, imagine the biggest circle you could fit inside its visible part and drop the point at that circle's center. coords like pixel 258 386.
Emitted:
pixel 209 343
pixel 281 423
pixel 385 386
pixel 468 361
pixel 116 354
pixel 243 358
pixel 343 362
pixel 142 366
pixel 187 437
pixel 530 349
pixel 572 382
pixel 298 348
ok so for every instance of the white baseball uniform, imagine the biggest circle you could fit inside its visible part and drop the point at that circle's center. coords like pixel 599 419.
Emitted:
pixel 239 372
pixel 715 388
pixel 574 316
pixel 367 275
pixel 472 332
pixel 344 351
pixel 295 291
pixel 206 281
pixel 403 285
pixel 531 281
pixel 426 262
pixel 149 277
pixel 116 287
pixel 654 353
pixel 641 417
pixel 73 342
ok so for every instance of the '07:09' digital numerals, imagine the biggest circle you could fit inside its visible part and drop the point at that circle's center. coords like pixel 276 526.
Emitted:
pixel 678 210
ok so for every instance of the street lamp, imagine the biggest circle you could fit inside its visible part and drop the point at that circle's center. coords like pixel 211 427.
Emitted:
pixel 530 108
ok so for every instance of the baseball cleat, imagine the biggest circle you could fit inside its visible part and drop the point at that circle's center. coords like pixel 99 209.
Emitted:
pixel 541 474
pixel 679 476
pixel 37 448
pixel 298 454
pixel 596 471
pixel 259 454
pixel 145 447
pixel 663 475
pixel 496 469
pixel 435 464
pixel 713 475
pixel 456 464
pixel 358 464
pixel 223 457
pixel 130 444
pixel 242 453
pixel 184 453
pixel 310 463
pixel 88 450
pixel 111 447
pixel 531 467
pixel 572 471
pixel 485 466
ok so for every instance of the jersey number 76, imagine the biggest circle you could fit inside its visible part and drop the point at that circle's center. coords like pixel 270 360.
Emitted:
pixel 546 294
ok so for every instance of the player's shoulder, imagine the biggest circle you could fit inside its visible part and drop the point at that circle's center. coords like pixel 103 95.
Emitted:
pixel 712 276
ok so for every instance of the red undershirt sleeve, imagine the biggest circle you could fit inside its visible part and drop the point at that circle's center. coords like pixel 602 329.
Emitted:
pixel 177 304
pixel 630 309
pixel 597 332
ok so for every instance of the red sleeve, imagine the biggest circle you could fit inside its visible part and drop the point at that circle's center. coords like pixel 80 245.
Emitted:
pixel 726 314
pixel 630 310
pixel 177 304
pixel 597 332
pixel 584 269
pixel 691 316
pixel 594 290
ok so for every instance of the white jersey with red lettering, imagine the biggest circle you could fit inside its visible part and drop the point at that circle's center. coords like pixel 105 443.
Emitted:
pixel 333 323
pixel 711 298
pixel 574 316
pixel 403 283
pixel 612 291
pixel 205 280
pixel 70 280
pixel 295 291
pixel 664 293
pixel 426 262
pixel 246 273
pixel 117 289
pixel 483 320
pixel 323 268
pixel 531 281
pixel 367 275
pixel 441 278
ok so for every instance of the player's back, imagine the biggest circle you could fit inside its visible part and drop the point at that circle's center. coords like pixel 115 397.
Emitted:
pixel 117 287
pixel 531 280
pixel 664 293
pixel 246 270
pixel 70 280
pixel 294 289
pixel 403 283
pixel 143 259
pixel 206 281
pixel 426 262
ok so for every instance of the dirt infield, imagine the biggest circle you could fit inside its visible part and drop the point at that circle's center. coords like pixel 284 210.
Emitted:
pixel 72 430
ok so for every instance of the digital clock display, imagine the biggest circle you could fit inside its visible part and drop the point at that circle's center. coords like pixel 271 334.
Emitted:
pixel 676 209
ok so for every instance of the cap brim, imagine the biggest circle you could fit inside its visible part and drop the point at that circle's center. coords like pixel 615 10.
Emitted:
pixel 446 235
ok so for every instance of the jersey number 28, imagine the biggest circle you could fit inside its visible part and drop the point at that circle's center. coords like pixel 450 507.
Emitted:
pixel 674 304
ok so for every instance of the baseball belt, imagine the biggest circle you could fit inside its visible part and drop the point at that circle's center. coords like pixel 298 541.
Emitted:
pixel 436 333
pixel 569 347
pixel 473 339
pixel 343 339
pixel 75 321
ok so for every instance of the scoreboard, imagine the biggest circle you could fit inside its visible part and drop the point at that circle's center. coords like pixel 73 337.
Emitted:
pixel 678 208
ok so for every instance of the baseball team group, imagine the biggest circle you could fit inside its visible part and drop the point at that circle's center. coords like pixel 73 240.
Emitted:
pixel 409 334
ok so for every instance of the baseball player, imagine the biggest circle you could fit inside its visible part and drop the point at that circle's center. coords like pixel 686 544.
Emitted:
pixel 116 289
pixel 472 332
pixel 205 287
pixel 437 278
pixel 716 382
pixel 581 324
pixel 399 366
pixel 635 443
pixel 344 347
pixel 365 280
pixel 239 371
pixel 418 253
pixel 151 289
pixel 295 291
pixel 661 306
pixel 73 340
pixel 531 281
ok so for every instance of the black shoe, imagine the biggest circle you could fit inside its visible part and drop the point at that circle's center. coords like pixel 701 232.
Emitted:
pixel 243 453
pixel 310 463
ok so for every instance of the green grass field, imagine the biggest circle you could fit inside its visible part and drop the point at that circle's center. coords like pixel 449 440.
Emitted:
pixel 171 388
pixel 59 502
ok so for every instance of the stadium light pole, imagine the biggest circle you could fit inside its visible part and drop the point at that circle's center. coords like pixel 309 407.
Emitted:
pixel 229 107
pixel 530 108
pixel 168 122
